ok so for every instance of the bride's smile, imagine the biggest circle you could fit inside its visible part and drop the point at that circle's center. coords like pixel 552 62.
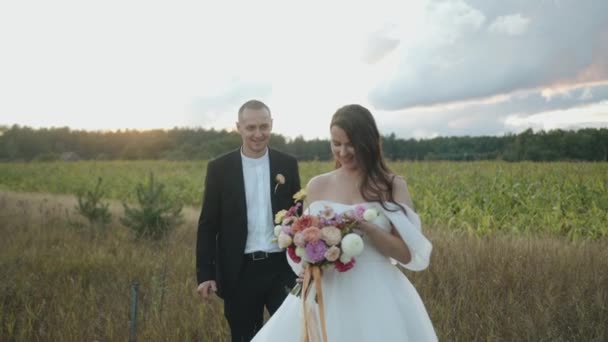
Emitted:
pixel 342 148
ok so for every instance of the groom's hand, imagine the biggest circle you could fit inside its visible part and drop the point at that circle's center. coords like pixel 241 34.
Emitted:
pixel 206 288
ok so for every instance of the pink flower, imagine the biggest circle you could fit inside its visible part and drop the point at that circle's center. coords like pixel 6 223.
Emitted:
pixel 289 220
pixel 359 211
pixel 286 230
pixel 299 239
pixel 315 251
pixel 332 254
pixel 331 235
pixel 304 222
pixel 312 234
pixel 294 209
pixel 342 267
pixel 342 221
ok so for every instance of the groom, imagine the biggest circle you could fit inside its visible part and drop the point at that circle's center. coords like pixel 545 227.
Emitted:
pixel 235 256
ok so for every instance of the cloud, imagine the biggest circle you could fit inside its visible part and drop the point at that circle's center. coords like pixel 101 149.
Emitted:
pixel 220 109
pixel 378 45
pixel 587 94
pixel 425 67
pixel 512 25
pixel 463 58
pixel 591 116
pixel 570 108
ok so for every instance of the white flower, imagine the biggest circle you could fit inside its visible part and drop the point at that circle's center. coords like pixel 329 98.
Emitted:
pixel 300 251
pixel 345 259
pixel 370 214
pixel 284 240
pixel 352 245
pixel 277 230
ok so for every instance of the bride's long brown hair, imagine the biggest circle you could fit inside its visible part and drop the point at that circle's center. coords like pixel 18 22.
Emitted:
pixel 360 127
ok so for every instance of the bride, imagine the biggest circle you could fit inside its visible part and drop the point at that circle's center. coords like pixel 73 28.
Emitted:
pixel 374 301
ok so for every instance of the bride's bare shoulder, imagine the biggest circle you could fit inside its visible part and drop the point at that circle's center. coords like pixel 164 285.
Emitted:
pixel 401 192
pixel 317 185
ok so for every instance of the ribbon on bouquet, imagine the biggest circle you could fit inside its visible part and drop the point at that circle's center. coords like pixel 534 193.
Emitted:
pixel 313 273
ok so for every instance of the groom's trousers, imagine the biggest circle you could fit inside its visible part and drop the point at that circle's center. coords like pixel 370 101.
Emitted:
pixel 264 281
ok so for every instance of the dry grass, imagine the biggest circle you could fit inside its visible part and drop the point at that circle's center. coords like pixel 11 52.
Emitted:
pixel 62 283
pixel 514 288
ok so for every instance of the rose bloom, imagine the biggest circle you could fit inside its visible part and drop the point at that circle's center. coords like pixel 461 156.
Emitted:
pixel 284 240
pixel 304 222
pixel 331 235
pixel 332 254
pixel 312 234
pixel 280 179
pixel 299 239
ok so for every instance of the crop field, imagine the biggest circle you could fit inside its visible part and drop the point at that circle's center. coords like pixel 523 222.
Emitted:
pixel 567 199
pixel 520 253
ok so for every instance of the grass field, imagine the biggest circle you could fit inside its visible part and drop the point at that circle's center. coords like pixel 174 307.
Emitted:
pixel 67 284
pixel 520 253
pixel 566 199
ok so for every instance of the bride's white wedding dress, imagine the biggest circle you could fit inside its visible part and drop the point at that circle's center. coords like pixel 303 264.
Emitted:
pixel 374 301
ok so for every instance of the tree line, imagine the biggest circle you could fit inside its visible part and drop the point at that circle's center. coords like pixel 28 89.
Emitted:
pixel 22 143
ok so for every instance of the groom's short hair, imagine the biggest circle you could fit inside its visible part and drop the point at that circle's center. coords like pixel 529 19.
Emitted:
pixel 253 104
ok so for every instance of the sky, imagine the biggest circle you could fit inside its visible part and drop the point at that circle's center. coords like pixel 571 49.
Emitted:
pixel 424 68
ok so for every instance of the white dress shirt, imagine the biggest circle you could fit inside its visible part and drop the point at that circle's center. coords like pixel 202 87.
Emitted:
pixel 260 226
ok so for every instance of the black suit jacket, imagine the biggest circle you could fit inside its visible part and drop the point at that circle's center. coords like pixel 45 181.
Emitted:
pixel 222 226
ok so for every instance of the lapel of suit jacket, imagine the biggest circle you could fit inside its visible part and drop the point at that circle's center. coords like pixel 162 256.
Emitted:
pixel 274 170
pixel 239 185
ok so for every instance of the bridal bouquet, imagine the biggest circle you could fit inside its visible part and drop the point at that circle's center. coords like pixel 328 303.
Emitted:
pixel 314 241
pixel 325 239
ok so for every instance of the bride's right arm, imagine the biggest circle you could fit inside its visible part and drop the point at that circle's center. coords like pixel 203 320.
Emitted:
pixel 391 244
pixel 408 228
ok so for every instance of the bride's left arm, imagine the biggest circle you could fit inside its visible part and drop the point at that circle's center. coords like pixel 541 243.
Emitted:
pixel 391 244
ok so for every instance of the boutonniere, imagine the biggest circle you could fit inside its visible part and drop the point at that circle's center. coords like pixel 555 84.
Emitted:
pixel 280 179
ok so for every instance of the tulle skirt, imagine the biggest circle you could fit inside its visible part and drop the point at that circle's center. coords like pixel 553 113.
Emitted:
pixel 372 302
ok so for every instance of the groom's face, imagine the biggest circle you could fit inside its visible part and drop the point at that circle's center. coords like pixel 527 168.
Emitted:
pixel 254 126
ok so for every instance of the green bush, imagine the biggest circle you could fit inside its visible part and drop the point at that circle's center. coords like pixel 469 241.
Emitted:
pixel 91 207
pixel 156 215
